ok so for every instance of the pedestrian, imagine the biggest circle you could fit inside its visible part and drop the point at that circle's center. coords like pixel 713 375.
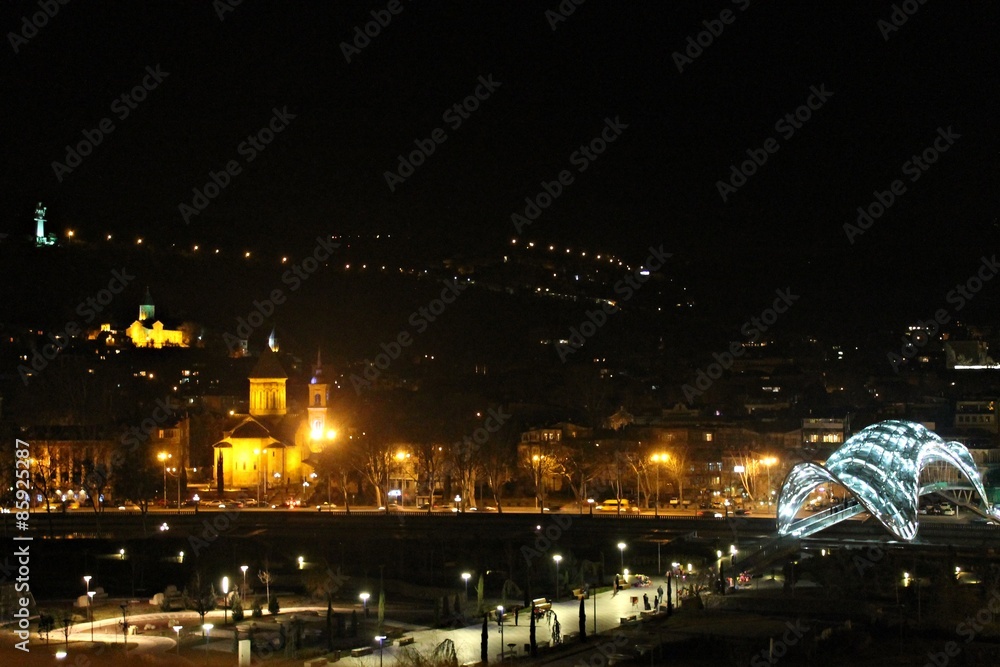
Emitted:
pixel 645 601
pixel 659 592
pixel 616 582
pixel 517 610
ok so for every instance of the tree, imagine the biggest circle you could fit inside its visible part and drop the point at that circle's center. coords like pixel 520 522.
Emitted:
pixel 199 594
pixel 581 461
pixel 753 474
pixel 484 643
pixel 381 610
pixel 541 461
pixel 237 608
pixel 479 594
pixel 432 461
pixel 136 476
pixel 678 466
pixel 531 634
pixel 266 579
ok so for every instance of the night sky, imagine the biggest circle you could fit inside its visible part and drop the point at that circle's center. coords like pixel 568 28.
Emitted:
pixel 655 184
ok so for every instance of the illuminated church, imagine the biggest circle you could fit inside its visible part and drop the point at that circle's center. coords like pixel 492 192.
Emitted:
pixel 269 447
pixel 147 331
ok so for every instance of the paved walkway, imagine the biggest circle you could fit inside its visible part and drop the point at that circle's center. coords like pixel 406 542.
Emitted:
pixel 610 609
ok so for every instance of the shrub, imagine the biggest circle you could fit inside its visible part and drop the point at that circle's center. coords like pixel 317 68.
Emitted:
pixel 237 609
pixel 255 609
pixel 273 606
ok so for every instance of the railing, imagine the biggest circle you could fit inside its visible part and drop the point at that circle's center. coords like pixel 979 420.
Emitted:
pixel 801 527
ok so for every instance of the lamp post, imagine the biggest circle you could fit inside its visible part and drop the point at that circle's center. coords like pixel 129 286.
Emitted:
pixel 86 580
pixel 621 548
pixel 590 503
pixel 163 456
pixel 557 558
pixel 657 459
pixel 124 608
pixel 244 568
pixel 500 622
pixel 225 600
pixel 207 628
pixel 364 601
pixel 768 462
pixel 381 639
pixel 90 611
pixel 177 629
pixel 257 452
pixel 465 577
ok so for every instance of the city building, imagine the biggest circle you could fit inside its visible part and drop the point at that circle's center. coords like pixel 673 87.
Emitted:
pixel 147 331
pixel 269 448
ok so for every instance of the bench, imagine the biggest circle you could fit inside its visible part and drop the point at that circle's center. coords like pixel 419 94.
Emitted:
pixel 315 662
pixel 627 619
pixel 540 605
pixel 581 594
pixel 363 650
pixel 403 641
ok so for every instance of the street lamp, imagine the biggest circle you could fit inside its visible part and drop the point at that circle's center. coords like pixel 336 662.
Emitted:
pixel 621 548
pixel 257 453
pixel 124 608
pixel 225 600
pixel 590 503
pixel 657 460
pixel 768 462
pixel 244 568
pixel 207 628
pixel 177 629
pixel 380 638
pixel 364 601
pixel 163 456
pixel 500 623
pixel 465 577
pixel 557 558
pixel 121 553
pixel 90 611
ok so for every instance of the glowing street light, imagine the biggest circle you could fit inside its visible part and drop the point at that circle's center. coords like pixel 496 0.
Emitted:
pixel 380 638
pixel 621 548
pixel 162 457
pixel 177 629
pixel 225 600
pixel 364 601
pixel 500 622
pixel 90 611
pixel 244 568
pixel 658 459
pixel 207 628
pixel 465 577
pixel 557 558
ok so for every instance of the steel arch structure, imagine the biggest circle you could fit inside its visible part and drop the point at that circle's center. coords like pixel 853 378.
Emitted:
pixel 880 467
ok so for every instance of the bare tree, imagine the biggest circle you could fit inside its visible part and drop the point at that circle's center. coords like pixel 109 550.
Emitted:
pixel 678 466
pixel 266 579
